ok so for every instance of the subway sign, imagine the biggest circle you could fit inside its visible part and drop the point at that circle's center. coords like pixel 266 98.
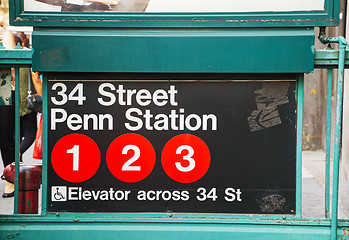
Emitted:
pixel 166 144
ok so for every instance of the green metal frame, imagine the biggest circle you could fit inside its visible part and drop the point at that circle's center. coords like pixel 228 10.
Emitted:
pixel 173 50
pixel 176 225
pixel 328 17
pixel 15 57
pixel 300 89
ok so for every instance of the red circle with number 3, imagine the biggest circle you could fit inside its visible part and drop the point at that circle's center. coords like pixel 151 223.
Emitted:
pixel 131 157
pixel 75 158
pixel 185 158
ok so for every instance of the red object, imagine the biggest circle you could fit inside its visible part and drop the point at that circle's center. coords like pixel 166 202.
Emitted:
pixel 29 184
pixel 131 158
pixel 9 173
pixel 75 157
pixel 37 153
pixel 185 158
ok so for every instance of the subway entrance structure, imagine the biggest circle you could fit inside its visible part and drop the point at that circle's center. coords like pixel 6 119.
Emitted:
pixel 175 119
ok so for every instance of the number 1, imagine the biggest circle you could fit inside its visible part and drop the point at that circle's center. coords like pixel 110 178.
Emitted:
pixel 75 152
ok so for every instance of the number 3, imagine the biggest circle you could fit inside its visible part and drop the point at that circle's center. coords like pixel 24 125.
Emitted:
pixel 186 157
pixel 60 93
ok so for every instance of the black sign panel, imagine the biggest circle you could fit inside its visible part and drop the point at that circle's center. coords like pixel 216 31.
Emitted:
pixel 193 146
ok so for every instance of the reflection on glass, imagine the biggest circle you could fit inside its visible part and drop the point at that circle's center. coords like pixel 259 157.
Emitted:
pixel 174 6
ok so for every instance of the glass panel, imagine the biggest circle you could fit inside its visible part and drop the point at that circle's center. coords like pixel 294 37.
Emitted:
pixel 169 6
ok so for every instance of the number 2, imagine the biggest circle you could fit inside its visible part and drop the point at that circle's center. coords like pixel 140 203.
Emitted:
pixel 137 154
pixel 187 157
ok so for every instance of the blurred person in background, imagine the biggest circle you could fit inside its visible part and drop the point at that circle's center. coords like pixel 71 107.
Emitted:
pixel 24 40
pixel 7 123
pixel 28 118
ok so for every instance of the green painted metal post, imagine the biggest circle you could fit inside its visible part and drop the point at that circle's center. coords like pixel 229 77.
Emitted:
pixel 300 89
pixel 44 150
pixel 337 140
pixel 328 144
pixel 17 136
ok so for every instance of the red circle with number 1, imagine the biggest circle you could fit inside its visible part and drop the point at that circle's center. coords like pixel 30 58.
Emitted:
pixel 131 157
pixel 75 158
pixel 185 158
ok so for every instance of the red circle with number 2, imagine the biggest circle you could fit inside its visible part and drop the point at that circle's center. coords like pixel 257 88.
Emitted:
pixel 185 158
pixel 75 157
pixel 131 157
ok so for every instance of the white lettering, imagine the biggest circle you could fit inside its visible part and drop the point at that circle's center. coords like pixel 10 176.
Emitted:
pixel 172 93
pixel 73 191
pixel 86 195
pixel 54 118
pixel 232 195
pixel 95 195
pixel 160 97
pixel 106 94
pixel 149 197
pixel 143 94
pixel 173 121
pixel 129 96
pixel 148 117
pixel 188 124
pixel 161 123
pixel 94 121
pixel 120 93
pixel 104 195
pixel 205 119
pixel 101 121
pixel 134 119
pixel 74 119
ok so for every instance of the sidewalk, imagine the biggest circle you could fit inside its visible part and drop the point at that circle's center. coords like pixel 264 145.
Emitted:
pixel 313 181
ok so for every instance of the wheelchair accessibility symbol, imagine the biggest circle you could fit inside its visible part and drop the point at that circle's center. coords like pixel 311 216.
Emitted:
pixel 58 193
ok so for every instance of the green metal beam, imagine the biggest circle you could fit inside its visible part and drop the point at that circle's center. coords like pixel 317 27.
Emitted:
pixel 51 229
pixel 329 58
pixel 17 140
pixel 15 57
pixel 328 142
pixel 174 51
pixel 21 57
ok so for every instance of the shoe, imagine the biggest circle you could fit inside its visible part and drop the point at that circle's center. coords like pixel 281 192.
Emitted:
pixel 7 195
